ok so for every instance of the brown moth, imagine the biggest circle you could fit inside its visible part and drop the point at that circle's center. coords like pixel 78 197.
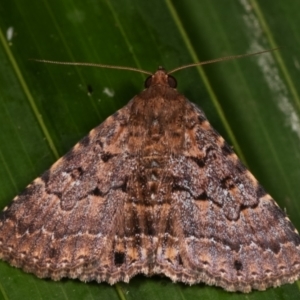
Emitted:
pixel 154 189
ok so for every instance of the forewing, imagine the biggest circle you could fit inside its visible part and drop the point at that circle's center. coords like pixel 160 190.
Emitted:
pixel 232 233
pixel 64 223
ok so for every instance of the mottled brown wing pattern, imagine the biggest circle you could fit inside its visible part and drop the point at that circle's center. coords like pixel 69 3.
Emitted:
pixel 235 235
pixel 64 222
pixel 153 190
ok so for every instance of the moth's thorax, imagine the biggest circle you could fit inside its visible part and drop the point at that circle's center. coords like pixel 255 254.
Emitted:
pixel 157 121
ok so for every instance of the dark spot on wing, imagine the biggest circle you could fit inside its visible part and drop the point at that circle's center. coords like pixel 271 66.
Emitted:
pixel 238 265
pixel 106 156
pixel 85 141
pixel 119 258
pixel 226 149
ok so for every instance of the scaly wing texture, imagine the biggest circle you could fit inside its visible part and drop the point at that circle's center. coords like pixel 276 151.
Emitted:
pixel 64 222
pixel 232 233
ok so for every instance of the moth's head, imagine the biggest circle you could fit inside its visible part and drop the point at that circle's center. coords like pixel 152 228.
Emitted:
pixel 161 77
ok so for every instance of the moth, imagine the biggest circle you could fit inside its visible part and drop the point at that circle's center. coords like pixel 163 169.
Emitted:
pixel 154 189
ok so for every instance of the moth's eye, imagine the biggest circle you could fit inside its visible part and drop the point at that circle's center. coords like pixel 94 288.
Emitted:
pixel 148 81
pixel 172 81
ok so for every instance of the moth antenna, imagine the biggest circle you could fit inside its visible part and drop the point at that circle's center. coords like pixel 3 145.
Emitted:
pixel 91 65
pixel 221 59
pixel 231 57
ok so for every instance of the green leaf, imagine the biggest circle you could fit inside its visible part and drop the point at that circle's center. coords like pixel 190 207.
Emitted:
pixel 45 109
